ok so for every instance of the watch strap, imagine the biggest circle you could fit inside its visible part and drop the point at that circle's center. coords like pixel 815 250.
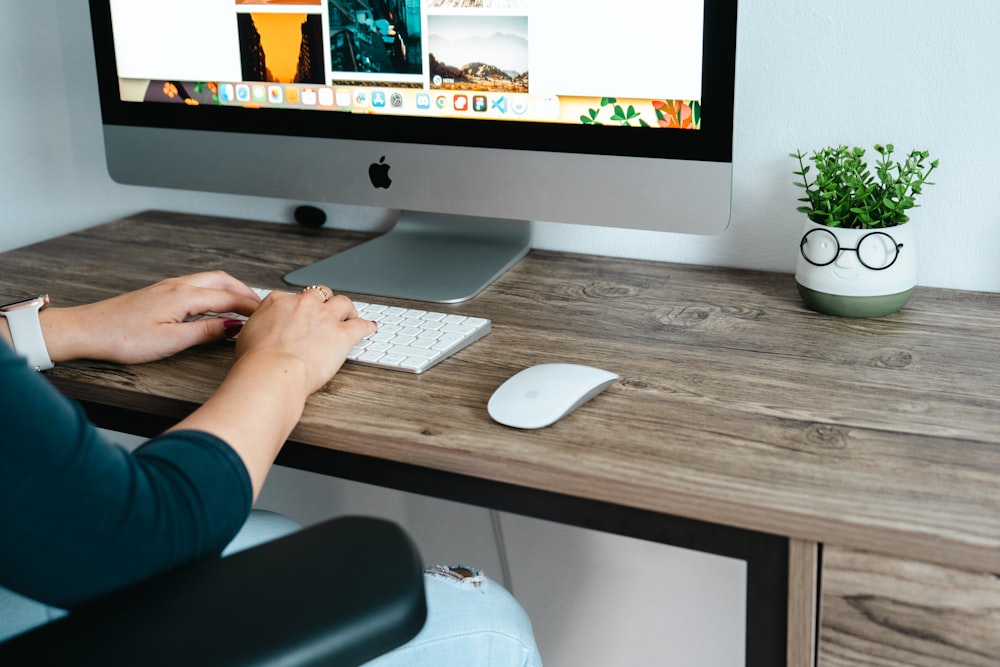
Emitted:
pixel 26 332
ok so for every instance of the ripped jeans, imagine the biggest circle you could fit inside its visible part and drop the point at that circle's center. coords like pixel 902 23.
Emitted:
pixel 472 621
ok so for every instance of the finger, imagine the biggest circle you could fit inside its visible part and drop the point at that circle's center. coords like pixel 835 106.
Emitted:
pixel 231 328
pixel 208 330
pixel 217 300
pixel 358 327
pixel 324 292
pixel 168 339
pixel 343 307
pixel 218 279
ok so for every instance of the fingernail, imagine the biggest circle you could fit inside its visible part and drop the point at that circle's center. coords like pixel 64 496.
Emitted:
pixel 233 327
pixel 375 323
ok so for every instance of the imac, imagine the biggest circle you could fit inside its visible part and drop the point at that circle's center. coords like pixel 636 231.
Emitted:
pixel 471 118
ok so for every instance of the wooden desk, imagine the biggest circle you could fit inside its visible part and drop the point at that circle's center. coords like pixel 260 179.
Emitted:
pixel 879 439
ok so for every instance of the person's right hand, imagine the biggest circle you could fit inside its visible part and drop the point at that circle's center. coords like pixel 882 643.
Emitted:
pixel 289 348
pixel 312 330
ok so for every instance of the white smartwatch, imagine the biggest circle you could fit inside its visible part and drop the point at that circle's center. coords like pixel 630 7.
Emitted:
pixel 26 330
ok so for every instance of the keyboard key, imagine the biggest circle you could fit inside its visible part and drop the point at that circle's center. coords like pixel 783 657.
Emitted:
pixel 411 339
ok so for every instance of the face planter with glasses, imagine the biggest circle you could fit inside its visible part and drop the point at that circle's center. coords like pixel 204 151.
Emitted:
pixel 856 272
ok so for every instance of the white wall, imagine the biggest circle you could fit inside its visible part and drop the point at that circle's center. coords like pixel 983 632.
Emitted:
pixel 916 73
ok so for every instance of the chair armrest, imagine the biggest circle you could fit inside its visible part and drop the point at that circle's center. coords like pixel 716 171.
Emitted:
pixel 338 593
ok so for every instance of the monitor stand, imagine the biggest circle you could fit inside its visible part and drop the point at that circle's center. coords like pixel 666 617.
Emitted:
pixel 424 257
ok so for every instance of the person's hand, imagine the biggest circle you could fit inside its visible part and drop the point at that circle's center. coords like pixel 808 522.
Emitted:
pixel 149 323
pixel 289 348
pixel 314 330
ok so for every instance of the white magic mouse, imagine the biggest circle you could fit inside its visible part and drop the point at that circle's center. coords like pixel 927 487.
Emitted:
pixel 541 395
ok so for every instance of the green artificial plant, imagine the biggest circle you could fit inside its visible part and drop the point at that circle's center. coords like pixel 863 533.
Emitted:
pixel 845 193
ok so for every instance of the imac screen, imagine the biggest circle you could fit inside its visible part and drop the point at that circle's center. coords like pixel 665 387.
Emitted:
pixel 472 117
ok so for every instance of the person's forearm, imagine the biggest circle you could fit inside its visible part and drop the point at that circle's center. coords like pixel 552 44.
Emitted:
pixel 63 333
pixel 57 332
pixel 254 410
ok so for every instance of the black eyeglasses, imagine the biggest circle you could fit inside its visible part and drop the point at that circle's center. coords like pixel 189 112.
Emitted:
pixel 876 250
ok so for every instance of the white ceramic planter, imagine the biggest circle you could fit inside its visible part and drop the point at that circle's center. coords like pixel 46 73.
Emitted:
pixel 856 272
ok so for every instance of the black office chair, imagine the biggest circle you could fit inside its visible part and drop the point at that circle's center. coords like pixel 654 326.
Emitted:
pixel 339 593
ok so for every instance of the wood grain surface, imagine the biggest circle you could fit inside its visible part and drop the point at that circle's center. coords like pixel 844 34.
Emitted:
pixel 803 598
pixel 894 612
pixel 735 404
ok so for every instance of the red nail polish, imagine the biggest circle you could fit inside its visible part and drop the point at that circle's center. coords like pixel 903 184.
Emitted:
pixel 233 327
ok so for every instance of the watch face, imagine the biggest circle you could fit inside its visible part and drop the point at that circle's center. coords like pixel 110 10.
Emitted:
pixel 39 300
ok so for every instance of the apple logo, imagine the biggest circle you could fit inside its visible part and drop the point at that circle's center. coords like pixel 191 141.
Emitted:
pixel 378 172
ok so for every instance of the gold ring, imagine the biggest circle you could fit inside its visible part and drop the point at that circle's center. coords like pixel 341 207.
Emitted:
pixel 322 290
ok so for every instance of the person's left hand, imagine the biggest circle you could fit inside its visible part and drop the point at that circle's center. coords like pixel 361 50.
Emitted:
pixel 149 323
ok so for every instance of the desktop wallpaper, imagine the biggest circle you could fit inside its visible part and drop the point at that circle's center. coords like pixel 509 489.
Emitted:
pixel 488 53
pixel 281 48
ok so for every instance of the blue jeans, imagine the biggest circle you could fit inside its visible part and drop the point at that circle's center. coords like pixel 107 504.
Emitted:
pixel 471 619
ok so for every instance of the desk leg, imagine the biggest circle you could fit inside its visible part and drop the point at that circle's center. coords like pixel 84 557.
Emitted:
pixel 803 598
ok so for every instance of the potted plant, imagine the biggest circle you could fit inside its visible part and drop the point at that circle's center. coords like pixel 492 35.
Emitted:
pixel 857 254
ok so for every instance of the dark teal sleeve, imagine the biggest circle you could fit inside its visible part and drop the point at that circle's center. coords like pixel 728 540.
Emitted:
pixel 81 516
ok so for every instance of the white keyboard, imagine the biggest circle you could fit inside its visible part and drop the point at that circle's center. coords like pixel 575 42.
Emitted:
pixel 409 339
